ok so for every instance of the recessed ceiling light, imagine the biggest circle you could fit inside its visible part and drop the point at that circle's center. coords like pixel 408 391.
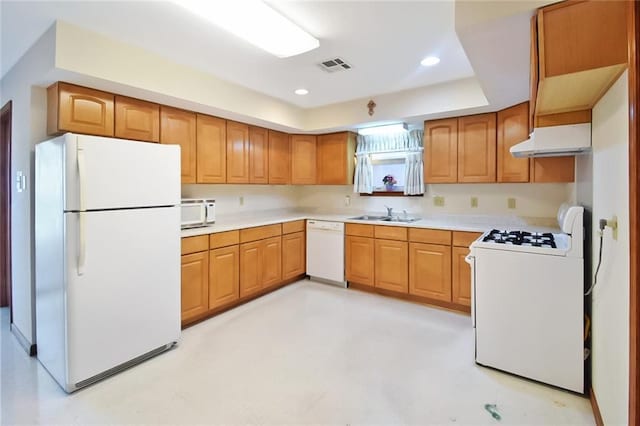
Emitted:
pixel 429 61
pixel 257 23
pixel 301 91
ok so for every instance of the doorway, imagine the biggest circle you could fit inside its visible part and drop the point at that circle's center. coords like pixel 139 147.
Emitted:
pixel 5 207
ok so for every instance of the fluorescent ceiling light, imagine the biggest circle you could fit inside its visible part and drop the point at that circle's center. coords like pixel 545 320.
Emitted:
pixel 389 128
pixel 255 22
pixel 301 91
pixel 429 61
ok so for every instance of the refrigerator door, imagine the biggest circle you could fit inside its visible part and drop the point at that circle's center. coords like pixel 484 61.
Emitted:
pixel 105 173
pixel 125 299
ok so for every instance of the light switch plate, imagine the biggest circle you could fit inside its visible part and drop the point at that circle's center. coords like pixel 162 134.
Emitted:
pixel 474 201
pixel 511 203
pixel 438 201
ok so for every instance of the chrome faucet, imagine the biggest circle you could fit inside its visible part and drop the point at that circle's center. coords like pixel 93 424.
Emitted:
pixel 389 210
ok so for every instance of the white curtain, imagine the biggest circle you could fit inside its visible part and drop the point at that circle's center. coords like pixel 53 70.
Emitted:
pixel 414 174
pixel 363 180
pixel 408 142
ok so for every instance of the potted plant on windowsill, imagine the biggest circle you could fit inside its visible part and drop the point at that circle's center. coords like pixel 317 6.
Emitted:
pixel 389 182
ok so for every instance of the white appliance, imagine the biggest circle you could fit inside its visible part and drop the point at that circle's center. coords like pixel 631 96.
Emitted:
pixel 553 141
pixel 107 235
pixel 325 251
pixel 197 212
pixel 527 301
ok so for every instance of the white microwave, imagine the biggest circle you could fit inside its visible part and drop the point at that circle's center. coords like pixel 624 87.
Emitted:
pixel 196 212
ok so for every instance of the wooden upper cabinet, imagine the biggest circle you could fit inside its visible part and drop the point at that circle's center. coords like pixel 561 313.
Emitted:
pixel 513 128
pixel 582 50
pixel 212 149
pixel 430 271
pixel 477 148
pixel 237 152
pixel 441 151
pixel 78 109
pixel 391 265
pixel 553 169
pixel 136 119
pixel 303 159
pixel 279 158
pixel 258 155
pixel 194 287
pixel 179 127
pixel 533 71
pixel 335 158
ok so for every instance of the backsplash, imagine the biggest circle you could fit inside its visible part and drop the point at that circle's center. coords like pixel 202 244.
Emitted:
pixel 531 199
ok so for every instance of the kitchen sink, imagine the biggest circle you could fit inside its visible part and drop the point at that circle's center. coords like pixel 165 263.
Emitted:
pixel 386 218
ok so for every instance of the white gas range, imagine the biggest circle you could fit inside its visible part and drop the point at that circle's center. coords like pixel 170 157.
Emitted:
pixel 527 301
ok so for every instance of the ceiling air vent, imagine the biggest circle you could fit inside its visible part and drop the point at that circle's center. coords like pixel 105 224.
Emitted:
pixel 333 65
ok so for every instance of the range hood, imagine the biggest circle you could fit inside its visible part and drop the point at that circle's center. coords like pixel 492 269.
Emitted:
pixel 555 141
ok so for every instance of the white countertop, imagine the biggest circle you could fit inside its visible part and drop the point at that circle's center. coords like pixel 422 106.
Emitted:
pixel 477 223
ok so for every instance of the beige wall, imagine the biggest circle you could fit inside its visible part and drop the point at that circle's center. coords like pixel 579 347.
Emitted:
pixel 610 316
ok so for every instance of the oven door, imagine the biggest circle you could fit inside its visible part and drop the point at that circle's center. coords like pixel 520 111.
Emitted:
pixel 192 215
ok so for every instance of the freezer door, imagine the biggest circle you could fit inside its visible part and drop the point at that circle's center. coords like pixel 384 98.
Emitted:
pixel 125 301
pixel 105 173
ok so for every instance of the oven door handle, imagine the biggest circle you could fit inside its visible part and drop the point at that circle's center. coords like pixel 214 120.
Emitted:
pixel 471 260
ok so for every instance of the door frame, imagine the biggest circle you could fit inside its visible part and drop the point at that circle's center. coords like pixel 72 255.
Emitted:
pixel 5 207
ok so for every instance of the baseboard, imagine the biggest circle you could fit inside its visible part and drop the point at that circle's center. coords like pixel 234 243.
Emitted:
pixel 29 348
pixel 595 408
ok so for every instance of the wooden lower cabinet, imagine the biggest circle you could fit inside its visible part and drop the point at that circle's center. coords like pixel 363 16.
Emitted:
pixel 430 271
pixel 224 270
pixel 250 264
pixel 391 265
pixel 194 285
pixel 461 279
pixel 271 262
pixel 293 255
pixel 359 252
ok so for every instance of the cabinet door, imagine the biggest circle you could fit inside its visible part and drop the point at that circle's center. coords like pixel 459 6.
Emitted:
pixel 179 127
pixel 293 255
pixel 223 276
pixel 513 126
pixel 359 252
pixel 335 157
pixel 461 282
pixel 271 261
pixel 212 149
pixel 441 151
pixel 136 119
pixel 250 267
pixel 391 265
pixel 303 159
pixel 430 271
pixel 279 158
pixel 194 285
pixel 237 152
pixel 477 148
pixel 258 155
pixel 80 110
pixel 553 169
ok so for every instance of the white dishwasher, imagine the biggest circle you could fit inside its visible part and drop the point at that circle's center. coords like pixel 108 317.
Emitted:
pixel 325 251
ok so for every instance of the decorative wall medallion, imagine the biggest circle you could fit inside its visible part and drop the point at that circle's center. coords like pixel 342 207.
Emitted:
pixel 371 105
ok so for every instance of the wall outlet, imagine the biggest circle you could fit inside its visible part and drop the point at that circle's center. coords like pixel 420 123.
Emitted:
pixel 511 203
pixel 474 201
pixel 347 200
pixel 241 200
pixel 438 201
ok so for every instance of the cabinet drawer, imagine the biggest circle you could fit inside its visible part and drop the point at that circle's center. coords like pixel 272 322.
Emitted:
pixel 224 239
pixel 260 232
pixel 358 230
pixel 430 236
pixel 464 239
pixel 194 244
pixel 291 227
pixel 391 233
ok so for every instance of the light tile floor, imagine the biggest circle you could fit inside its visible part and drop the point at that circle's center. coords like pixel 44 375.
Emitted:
pixel 308 353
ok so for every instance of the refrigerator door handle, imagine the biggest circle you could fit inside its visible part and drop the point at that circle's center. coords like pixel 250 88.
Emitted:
pixel 471 260
pixel 81 214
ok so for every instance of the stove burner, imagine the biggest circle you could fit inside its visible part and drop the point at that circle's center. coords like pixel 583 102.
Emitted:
pixel 521 238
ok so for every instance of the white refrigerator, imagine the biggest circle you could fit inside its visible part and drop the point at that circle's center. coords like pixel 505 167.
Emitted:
pixel 107 235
